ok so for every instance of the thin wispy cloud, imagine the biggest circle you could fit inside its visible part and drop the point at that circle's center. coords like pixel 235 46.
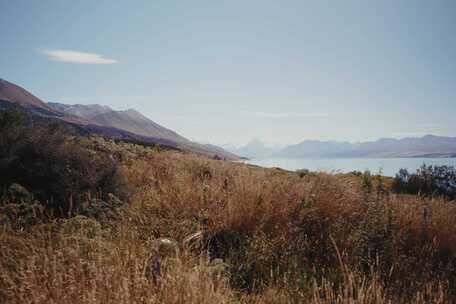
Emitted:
pixel 421 129
pixel 262 114
pixel 76 57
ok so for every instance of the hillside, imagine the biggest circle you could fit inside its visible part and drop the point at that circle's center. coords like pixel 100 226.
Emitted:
pixel 86 220
pixel 103 120
pixel 10 92
pixel 86 111
pixel 128 120
pixel 145 129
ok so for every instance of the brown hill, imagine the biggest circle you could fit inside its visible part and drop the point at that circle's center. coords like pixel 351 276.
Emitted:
pixel 15 94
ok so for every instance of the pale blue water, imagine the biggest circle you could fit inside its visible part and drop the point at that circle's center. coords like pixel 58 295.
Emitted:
pixel 389 166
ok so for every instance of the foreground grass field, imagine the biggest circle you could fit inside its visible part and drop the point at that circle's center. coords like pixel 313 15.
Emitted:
pixel 278 237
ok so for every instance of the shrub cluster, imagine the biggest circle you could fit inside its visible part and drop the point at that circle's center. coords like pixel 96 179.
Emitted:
pixel 428 181
pixel 44 157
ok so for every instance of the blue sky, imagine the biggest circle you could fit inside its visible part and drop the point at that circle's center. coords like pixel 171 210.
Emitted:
pixel 230 71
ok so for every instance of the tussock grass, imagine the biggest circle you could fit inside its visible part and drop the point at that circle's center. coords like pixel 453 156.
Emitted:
pixel 285 238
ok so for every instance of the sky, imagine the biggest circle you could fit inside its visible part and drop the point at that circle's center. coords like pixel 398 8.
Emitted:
pixel 232 71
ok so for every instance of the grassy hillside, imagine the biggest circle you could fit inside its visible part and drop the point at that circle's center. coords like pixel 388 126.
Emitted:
pixel 256 235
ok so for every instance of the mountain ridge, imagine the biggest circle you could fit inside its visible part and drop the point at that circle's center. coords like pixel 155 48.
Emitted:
pixel 129 124
pixel 129 120
pixel 425 146
pixel 13 93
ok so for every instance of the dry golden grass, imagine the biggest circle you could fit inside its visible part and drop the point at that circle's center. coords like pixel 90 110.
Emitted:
pixel 286 238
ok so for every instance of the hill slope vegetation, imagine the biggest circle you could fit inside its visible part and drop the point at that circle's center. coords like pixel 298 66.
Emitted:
pixel 189 229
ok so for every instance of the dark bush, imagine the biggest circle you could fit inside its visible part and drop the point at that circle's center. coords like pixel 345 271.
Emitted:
pixel 428 180
pixel 43 156
pixel 19 209
pixel 302 172
pixel 366 181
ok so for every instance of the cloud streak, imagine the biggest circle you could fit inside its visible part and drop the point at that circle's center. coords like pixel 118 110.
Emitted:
pixel 76 57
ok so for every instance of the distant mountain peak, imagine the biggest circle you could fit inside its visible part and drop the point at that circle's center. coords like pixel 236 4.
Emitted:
pixel 429 136
pixel 85 111
pixel 134 113
pixel 129 120
pixel 425 146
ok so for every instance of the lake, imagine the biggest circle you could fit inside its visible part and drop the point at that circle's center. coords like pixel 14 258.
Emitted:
pixel 389 166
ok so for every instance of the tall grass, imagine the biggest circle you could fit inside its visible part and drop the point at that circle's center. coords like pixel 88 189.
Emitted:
pixel 285 238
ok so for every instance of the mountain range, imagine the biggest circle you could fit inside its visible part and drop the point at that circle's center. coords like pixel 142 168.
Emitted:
pixel 129 120
pixel 132 125
pixel 426 146
pixel 128 124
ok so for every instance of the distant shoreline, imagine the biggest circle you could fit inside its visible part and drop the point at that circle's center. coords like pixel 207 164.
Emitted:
pixel 387 166
pixel 427 156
